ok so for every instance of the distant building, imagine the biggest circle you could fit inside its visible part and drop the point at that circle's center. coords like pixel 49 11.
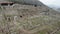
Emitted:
pixel 5 3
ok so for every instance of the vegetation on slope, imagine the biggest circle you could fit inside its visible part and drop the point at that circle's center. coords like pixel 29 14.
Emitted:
pixel 30 20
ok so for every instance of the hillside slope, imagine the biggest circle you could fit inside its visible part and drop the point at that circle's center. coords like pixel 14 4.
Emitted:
pixel 27 2
pixel 28 19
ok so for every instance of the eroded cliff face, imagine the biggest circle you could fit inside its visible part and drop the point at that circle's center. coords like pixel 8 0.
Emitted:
pixel 28 19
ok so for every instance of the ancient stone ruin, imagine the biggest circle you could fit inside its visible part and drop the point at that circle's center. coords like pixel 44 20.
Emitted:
pixel 5 3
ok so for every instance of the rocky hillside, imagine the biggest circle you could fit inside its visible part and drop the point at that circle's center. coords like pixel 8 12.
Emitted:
pixel 29 19
pixel 27 2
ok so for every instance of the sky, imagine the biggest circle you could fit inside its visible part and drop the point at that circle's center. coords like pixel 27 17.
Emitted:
pixel 51 2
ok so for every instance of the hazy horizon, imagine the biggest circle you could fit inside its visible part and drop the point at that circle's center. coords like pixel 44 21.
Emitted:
pixel 51 3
